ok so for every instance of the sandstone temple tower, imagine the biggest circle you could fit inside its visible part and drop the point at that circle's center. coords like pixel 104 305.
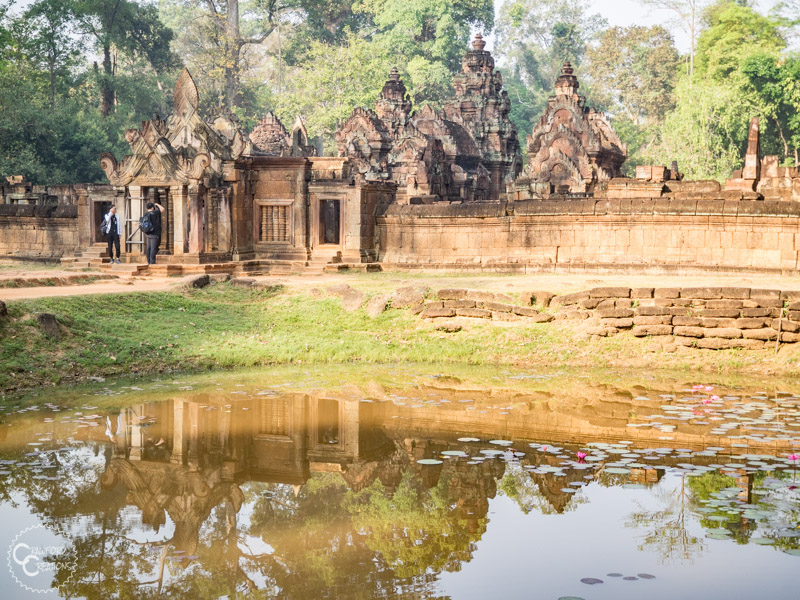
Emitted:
pixel 572 147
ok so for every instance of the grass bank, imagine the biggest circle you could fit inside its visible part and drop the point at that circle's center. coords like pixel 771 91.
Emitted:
pixel 222 327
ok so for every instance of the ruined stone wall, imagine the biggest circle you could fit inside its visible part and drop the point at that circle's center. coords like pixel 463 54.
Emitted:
pixel 38 231
pixel 654 235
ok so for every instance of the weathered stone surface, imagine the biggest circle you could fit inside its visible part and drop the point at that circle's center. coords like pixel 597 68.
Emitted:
pixel 794 306
pixel 708 293
pixel 680 311
pixel 686 302
pixel 653 311
pixel 642 293
pixel 572 315
pixel 196 281
pixel 756 312
pixel 763 294
pixel 408 296
pixel 667 293
pixel 785 325
pixel 720 312
pixel 790 338
pixel 452 294
pixel 602 331
pixel 497 307
pixel 449 327
pixel 540 318
pixel 352 300
pixel 750 323
pixel 769 302
pixel 474 313
pixel 623 303
pixel 712 322
pixel 606 303
pixel 459 304
pixel 377 304
pixel 569 299
pixel 542 298
pixel 438 313
pixel 243 281
pixel 610 292
pixel 49 326
pixel 735 293
pixel 590 303
pixel 686 321
pixel 724 304
pixel 688 342
pixel 417 308
pixel 618 323
pixel 504 316
pixel 523 311
pixel 726 344
pixel 793 315
pixel 614 313
pixel 220 277
pixel 664 320
pixel 764 334
pixel 730 333
pixel 692 332
pixel 479 296
pixel 646 330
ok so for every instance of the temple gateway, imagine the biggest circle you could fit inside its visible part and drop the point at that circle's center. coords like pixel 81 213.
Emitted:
pixel 411 187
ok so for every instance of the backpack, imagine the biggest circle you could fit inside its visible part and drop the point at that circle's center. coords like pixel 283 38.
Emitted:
pixel 104 226
pixel 146 223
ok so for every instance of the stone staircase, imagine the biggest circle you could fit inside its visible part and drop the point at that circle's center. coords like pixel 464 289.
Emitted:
pixel 91 258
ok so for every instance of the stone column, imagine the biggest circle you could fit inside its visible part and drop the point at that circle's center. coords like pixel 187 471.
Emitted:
pixel 85 217
pixel 178 206
pixel 196 241
pixel 301 236
pixel 224 219
pixel 134 210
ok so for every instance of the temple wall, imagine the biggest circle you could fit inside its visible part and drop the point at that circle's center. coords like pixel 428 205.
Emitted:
pixel 594 235
pixel 38 231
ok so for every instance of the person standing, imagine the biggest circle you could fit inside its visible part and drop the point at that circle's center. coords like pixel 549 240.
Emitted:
pixel 150 224
pixel 113 230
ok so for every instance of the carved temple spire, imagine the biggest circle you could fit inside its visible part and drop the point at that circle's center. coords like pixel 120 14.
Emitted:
pixel 394 105
pixel 567 83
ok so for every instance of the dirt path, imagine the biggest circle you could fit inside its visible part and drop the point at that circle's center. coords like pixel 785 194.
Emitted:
pixel 389 281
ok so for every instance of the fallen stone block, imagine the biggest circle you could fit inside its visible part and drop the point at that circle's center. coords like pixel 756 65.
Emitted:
pixel 704 293
pixel 735 293
pixel 729 313
pixel 614 313
pixel 689 332
pixel 724 304
pixel 688 342
pixel 750 323
pixel 617 323
pixel 728 344
pixel 459 304
pixel 602 331
pixel 243 281
pixel 438 313
pixel 474 313
pixel 540 298
pixel 523 311
pixel 434 304
pixel 352 300
pixel 449 327
pixel 764 334
pixel 642 293
pixel 219 277
pixel 497 307
pixel 569 299
pixel 451 294
pixel 756 312
pixel 652 320
pixel 540 318
pixel 377 304
pixel 667 293
pixel 417 308
pixel 610 292
pixel 686 321
pixel 408 296
pixel 504 316
pixel 647 330
pixel 196 281
pixel 653 311
pixel 48 324
pixel 479 296
pixel 589 303
pixel 730 333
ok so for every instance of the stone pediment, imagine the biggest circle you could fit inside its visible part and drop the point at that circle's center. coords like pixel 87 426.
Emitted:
pixel 181 149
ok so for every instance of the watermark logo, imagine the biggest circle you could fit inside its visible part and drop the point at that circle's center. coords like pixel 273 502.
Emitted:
pixel 37 560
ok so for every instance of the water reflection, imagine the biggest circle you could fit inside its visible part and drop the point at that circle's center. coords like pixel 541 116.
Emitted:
pixel 320 494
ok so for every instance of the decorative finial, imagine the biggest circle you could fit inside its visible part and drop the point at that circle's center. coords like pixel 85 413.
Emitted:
pixel 394 75
pixel 479 44
pixel 567 68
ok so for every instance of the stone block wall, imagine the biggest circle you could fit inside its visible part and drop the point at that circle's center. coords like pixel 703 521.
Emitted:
pixel 645 234
pixel 38 231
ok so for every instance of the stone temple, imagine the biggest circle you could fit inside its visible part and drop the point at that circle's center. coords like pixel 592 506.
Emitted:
pixel 412 187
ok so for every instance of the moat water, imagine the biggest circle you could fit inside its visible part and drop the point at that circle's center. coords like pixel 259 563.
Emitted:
pixel 407 482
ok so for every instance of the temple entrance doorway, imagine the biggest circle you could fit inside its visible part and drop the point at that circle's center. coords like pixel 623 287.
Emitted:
pixel 99 210
pixel 330 221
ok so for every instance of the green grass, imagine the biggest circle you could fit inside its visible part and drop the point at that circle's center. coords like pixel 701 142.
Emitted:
pixel 225 327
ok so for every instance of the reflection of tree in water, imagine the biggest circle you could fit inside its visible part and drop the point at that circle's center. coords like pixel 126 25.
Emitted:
pixel 667 533
pixel 541 492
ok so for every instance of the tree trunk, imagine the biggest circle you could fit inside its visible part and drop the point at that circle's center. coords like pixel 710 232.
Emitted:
pixel 232 45
pixel 106 87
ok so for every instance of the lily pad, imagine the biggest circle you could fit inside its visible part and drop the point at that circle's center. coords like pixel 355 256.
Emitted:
pixel 429 461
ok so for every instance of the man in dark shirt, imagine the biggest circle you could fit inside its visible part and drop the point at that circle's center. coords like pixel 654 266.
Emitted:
pixel 153 239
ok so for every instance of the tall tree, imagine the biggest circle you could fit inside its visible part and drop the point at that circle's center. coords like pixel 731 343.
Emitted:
pixel 687 14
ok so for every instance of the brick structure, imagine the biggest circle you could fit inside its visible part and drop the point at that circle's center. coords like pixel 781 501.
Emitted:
pixel 573 147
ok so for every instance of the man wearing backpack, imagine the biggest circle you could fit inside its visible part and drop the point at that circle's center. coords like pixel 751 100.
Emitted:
pixel 112 228
pixel 150 224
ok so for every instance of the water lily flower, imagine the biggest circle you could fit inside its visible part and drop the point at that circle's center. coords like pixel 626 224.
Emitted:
pixel 707 401
pixel 581 455
pixel 709 388
pixel 793 457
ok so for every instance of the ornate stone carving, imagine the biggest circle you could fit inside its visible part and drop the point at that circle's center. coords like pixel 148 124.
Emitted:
pixel 573 147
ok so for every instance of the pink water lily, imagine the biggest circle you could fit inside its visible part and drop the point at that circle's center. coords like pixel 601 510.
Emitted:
pixel 707 401
pixel 793 457
pixel 581 455
pixel 708 388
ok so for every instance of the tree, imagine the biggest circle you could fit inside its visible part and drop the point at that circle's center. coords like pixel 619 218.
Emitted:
pixel 687 14
pixel 635 70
